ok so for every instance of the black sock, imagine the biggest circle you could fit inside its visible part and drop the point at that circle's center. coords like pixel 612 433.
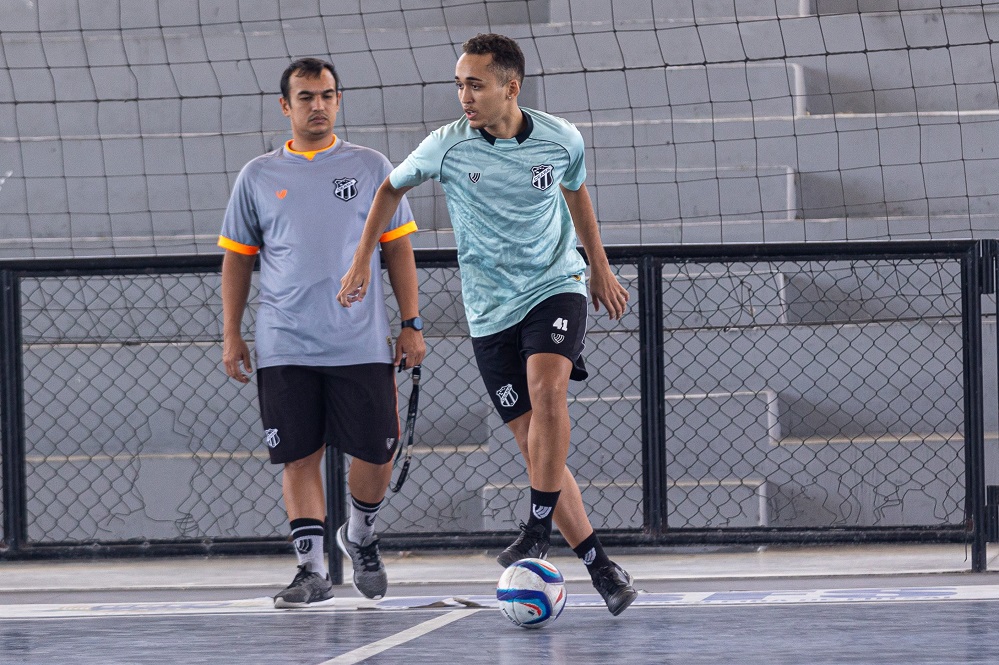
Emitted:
pixel 592 553
pixel 542 507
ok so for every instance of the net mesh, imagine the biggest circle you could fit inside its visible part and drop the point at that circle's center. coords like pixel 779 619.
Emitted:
pixel 798 394
pixel 124 122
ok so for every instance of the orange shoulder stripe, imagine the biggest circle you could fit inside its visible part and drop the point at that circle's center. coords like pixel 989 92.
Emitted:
pixel 403 230
pixel 239 248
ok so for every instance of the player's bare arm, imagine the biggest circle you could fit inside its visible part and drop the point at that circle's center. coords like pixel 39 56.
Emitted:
pixel 401 265
pixel 354 285
pixel 237 271
pixel 604 287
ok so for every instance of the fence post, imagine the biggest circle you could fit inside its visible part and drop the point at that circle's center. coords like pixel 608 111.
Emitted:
pixel 653 370
pixel 12 413
pixel 336 511
pixel 972 290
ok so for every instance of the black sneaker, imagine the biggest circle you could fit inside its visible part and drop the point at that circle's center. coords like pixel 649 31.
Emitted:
pixel 308 589
pixel 532 543
pixel 614 584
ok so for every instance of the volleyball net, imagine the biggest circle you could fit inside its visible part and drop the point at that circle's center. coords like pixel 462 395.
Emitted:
pixel 123 124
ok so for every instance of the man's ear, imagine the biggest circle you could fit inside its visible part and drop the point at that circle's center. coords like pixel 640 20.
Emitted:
pixel 513 88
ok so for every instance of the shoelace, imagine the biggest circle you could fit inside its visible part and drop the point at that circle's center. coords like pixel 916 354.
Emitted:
pixel 302 574
pixel 369 556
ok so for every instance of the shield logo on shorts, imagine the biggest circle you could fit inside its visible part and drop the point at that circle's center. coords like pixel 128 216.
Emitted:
pixel 541 176
pixel 271 438
pixel 345 188
pixel 507 395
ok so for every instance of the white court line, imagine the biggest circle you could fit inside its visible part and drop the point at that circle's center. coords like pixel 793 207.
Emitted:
pixel 474 603
pixel 419 630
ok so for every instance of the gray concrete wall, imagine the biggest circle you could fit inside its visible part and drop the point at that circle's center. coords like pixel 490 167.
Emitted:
pixel 129 128
pixel 710 121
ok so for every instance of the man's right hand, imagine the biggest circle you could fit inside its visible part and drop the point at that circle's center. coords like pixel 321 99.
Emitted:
pixel 354 284
pixel 236 352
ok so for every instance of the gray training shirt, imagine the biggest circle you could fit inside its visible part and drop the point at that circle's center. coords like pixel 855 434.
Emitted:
pixel 304 213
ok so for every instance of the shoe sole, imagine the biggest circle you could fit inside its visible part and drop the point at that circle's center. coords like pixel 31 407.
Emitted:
pixel 343 548
pixel 500 560
pixel 624 605
pixel 286 605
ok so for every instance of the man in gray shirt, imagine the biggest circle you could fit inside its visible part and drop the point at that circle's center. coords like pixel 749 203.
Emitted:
pixel 325 374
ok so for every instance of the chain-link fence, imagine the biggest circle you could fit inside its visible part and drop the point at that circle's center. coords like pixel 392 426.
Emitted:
pixel 796 393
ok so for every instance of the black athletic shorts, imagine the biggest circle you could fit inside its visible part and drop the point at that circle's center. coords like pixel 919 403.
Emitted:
pixel 555 325
pixel 353 408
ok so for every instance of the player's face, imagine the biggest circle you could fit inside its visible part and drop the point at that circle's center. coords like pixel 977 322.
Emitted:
pixel 486 99
pixel 312 105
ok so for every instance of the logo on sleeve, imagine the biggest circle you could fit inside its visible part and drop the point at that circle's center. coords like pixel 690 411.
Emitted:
pixel 474 177
pixel 541 176
pixel 345 188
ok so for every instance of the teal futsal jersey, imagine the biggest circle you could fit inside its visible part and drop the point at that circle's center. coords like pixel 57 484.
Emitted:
pixel 304 212
pixel 516 242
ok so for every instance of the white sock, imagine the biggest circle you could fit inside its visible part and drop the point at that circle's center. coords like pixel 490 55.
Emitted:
pixel 361 524
pixel 309 547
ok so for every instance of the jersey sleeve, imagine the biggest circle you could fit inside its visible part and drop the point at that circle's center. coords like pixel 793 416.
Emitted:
pixel 241 226
pixel 422 164
pixel 575 175
pixel 402 222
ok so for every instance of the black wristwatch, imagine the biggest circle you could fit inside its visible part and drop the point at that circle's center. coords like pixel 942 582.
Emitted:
pixel 416 323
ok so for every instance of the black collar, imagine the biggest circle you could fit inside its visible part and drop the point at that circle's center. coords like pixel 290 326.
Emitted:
pixel 521 137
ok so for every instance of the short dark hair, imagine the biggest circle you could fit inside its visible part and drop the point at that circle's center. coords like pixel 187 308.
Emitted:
pixel 508 59
pixel 310 67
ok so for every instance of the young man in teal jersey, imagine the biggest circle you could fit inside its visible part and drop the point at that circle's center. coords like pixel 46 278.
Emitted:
pixel 513 179
pixel 322 378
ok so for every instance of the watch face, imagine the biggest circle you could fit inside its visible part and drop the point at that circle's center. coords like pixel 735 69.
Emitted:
pixel 414 323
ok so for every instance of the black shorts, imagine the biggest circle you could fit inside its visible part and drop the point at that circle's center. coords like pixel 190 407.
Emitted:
pixel 555 325
pixel 353 408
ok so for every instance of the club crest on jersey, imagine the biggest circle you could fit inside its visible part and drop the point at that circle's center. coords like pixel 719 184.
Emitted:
pixel 474 177
pixel 541 176
pixel 507 395
pixel 345 188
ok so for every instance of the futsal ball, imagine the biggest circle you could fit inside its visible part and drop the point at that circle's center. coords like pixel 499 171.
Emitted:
pixel 531 593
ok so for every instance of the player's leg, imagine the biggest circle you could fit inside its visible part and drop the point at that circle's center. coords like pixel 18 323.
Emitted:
pixel 502 369
pixel 292 412
pixel 364 422
pixel 613 582
pixel 570 513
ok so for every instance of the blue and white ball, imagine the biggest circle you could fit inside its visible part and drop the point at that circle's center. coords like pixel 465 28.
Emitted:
pixel 531 593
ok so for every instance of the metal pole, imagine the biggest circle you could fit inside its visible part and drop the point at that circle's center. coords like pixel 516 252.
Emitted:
pixel 653 370
pixel 336 510
pixel 974 425
pixel 15 519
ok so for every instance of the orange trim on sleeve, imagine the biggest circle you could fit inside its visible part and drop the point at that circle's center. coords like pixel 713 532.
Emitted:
pixel 239 248
pixel 403 230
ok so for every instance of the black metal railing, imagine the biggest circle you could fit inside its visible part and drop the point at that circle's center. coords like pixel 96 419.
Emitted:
pixel 818 392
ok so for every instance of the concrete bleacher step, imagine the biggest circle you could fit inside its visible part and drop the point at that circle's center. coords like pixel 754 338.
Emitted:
pixel 852 378
pixel 693 503
pixel 583 11
pixel 869 6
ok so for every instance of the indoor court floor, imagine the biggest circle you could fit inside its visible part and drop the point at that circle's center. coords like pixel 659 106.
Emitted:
pixel 883 605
